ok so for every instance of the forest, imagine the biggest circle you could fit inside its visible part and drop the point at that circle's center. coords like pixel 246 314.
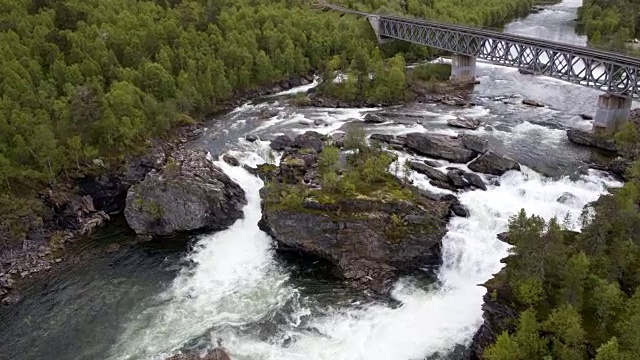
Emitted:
pixel 87 83
pixel 578 294
pixel 609 23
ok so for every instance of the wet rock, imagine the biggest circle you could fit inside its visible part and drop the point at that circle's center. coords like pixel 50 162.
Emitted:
pixel 396 142
pixel 443 185
pixel 320 122
pixel 474 143
pixel 189 193
pixel 231 160
pixel 588 138
pixel 215 354
pixel 586 117
pixel 494 163
pixel 250 170
pixel 433 163
pixel 475 180
pixel 269 113
pixel 531 102
pixel 526 72
pixel 464 123
pixel 429 171
pixel 374 119
pixel 619 167
pixel 251 138
pixel 281 142
pixel 305 122
pixel 310 140
pixel 338 139
pixel 498 317
pixel 439 146
pixel 567 198
pixel 460 210
pixel 456 178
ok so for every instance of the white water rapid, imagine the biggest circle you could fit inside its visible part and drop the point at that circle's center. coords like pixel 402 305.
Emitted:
pixel 234 289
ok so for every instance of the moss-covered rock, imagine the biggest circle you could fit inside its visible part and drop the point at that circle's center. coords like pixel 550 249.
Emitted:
pixel 369 224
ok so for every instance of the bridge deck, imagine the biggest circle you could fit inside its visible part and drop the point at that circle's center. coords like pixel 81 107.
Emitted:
pixel 615 73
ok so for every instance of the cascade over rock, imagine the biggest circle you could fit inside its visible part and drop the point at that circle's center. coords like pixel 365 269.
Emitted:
pixel 189 193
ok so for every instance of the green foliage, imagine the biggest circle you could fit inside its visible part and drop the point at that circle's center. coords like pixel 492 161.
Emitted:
pixel 97 79
pixel 627 138
pixel 431 72
pixel 583 286
pixel 355 138
pixel 609 22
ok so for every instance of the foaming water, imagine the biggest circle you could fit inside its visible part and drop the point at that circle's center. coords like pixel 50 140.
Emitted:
pixel 231 280
pixel 233 283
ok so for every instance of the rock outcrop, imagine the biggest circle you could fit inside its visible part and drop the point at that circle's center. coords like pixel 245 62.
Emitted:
pixel 587 138
pixel 189 193
pixel 370 239
pixel 494 163
pixel 374 118
pixel 281 143
pixel 439 146
pixel 464 123
pixel 215 354
pixel 498 318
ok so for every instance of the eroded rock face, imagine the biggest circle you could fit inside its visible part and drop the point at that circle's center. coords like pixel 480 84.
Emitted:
pixel 281 142
pixel 369 241
pixel 439 146
pixel 494 163
pixel 189 193
pixel 588 138
pixel 475 143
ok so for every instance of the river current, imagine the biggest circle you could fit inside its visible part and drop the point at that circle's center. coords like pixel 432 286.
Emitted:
pixel 119 299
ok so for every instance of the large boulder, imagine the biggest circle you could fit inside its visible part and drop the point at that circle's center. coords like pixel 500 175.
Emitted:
pixel 189 193
pixel 464 123
pixel 310 141
pixel 494 163
pixel 429 171
pixel 588 138
pixel 369 241
pixel 439 146
pixel 281 142
pixel 374 118
pixel 474 143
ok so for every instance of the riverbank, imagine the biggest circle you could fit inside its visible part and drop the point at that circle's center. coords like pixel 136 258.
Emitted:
pixel 87 202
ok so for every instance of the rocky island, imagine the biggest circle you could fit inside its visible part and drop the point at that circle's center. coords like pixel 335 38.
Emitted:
pixel 344 206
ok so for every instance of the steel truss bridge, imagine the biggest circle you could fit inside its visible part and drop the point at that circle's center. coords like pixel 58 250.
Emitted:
pixel 617 74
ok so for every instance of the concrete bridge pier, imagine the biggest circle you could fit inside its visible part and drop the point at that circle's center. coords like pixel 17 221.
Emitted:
pixel 463 69
pixel 613 112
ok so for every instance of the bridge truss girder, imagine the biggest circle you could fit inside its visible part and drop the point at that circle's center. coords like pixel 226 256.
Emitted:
pixel 617 77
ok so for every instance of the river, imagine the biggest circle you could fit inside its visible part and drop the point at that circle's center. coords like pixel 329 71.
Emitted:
pixel 116 298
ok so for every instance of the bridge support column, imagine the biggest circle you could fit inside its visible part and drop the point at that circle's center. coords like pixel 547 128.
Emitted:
pixel 613 112
pixel 463 69
pixel 375 24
